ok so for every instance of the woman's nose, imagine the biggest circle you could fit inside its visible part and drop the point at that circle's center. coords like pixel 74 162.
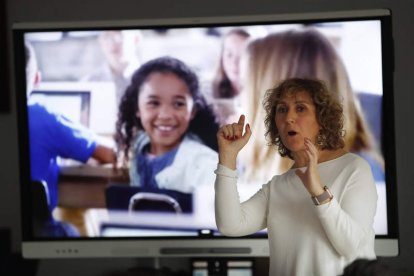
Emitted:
pixel 290 117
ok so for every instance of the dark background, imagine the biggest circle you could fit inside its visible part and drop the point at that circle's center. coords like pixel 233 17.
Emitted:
pixel 89 10
pixel 4 82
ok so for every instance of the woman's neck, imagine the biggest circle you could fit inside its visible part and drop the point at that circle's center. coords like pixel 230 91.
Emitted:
pixel 301 157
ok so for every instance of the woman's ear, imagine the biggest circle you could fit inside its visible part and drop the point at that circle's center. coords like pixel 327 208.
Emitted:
pixel 138 115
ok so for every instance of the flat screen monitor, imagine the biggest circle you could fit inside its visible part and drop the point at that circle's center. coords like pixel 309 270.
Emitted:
pixel 99 212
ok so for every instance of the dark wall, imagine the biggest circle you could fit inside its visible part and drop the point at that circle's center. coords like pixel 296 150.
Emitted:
pixel 50 10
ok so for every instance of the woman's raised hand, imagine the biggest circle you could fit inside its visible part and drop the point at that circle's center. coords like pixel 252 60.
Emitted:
pixel 231 140
pixel 310 176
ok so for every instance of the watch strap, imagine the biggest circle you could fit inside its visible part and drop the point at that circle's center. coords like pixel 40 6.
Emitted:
pixel 322 197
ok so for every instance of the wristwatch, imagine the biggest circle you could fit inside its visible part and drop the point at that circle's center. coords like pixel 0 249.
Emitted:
pixel 321 198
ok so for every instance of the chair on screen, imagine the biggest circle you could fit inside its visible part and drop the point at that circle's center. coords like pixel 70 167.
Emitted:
pixel 124 197
pixel 143 201
pixel 44 223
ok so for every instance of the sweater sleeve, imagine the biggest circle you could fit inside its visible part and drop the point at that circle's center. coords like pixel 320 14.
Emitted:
pixel 232 217
pixel 348 221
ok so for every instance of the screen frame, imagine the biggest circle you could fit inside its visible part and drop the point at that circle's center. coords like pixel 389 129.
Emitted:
pixel 5 95
pixel 203 246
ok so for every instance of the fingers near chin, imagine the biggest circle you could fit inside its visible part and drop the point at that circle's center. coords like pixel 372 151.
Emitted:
pixel 311 147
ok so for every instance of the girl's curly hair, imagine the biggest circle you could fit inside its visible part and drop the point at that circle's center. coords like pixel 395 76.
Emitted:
pixel 329 113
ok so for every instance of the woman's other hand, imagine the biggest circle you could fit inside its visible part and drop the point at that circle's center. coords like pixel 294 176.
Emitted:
pixel 310 176
pixel 231 140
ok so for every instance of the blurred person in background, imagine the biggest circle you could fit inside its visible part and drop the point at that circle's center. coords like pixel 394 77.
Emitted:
pixel 227 80
pixel 226 85
pixel 118 67
pixel 303 53
pixel 52 136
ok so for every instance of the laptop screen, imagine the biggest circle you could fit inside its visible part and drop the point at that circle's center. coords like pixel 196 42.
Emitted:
pixel 74 105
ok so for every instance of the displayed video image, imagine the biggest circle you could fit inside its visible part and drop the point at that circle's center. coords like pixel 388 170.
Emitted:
pixel 123 122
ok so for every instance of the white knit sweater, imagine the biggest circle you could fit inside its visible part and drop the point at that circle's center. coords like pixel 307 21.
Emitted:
pixel 305 239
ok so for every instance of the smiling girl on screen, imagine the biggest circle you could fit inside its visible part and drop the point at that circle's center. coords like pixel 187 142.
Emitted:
pixel 166 129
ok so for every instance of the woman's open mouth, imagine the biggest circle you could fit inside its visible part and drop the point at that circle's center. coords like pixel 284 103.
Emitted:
pixel 292 133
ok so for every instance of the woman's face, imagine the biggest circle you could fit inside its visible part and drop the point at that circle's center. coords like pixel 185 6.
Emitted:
pixel 165 108
pixel 233 47
pixel 296 120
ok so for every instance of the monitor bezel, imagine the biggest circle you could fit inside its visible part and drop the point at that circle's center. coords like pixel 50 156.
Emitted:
pixel 385 245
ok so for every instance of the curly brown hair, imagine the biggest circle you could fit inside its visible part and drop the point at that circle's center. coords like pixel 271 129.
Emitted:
pixel 329 113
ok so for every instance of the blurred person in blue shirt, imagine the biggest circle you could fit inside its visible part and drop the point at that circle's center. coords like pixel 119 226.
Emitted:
pixel 52 136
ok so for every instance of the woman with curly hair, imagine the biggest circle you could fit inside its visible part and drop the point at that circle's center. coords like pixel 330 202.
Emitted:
pixel 166 129
pixel 319 214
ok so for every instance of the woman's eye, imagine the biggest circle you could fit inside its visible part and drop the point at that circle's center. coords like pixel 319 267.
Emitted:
pixel 281 109
pixel 300 108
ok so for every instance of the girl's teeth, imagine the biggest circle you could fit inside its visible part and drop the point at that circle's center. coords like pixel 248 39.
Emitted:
pixel 165 128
